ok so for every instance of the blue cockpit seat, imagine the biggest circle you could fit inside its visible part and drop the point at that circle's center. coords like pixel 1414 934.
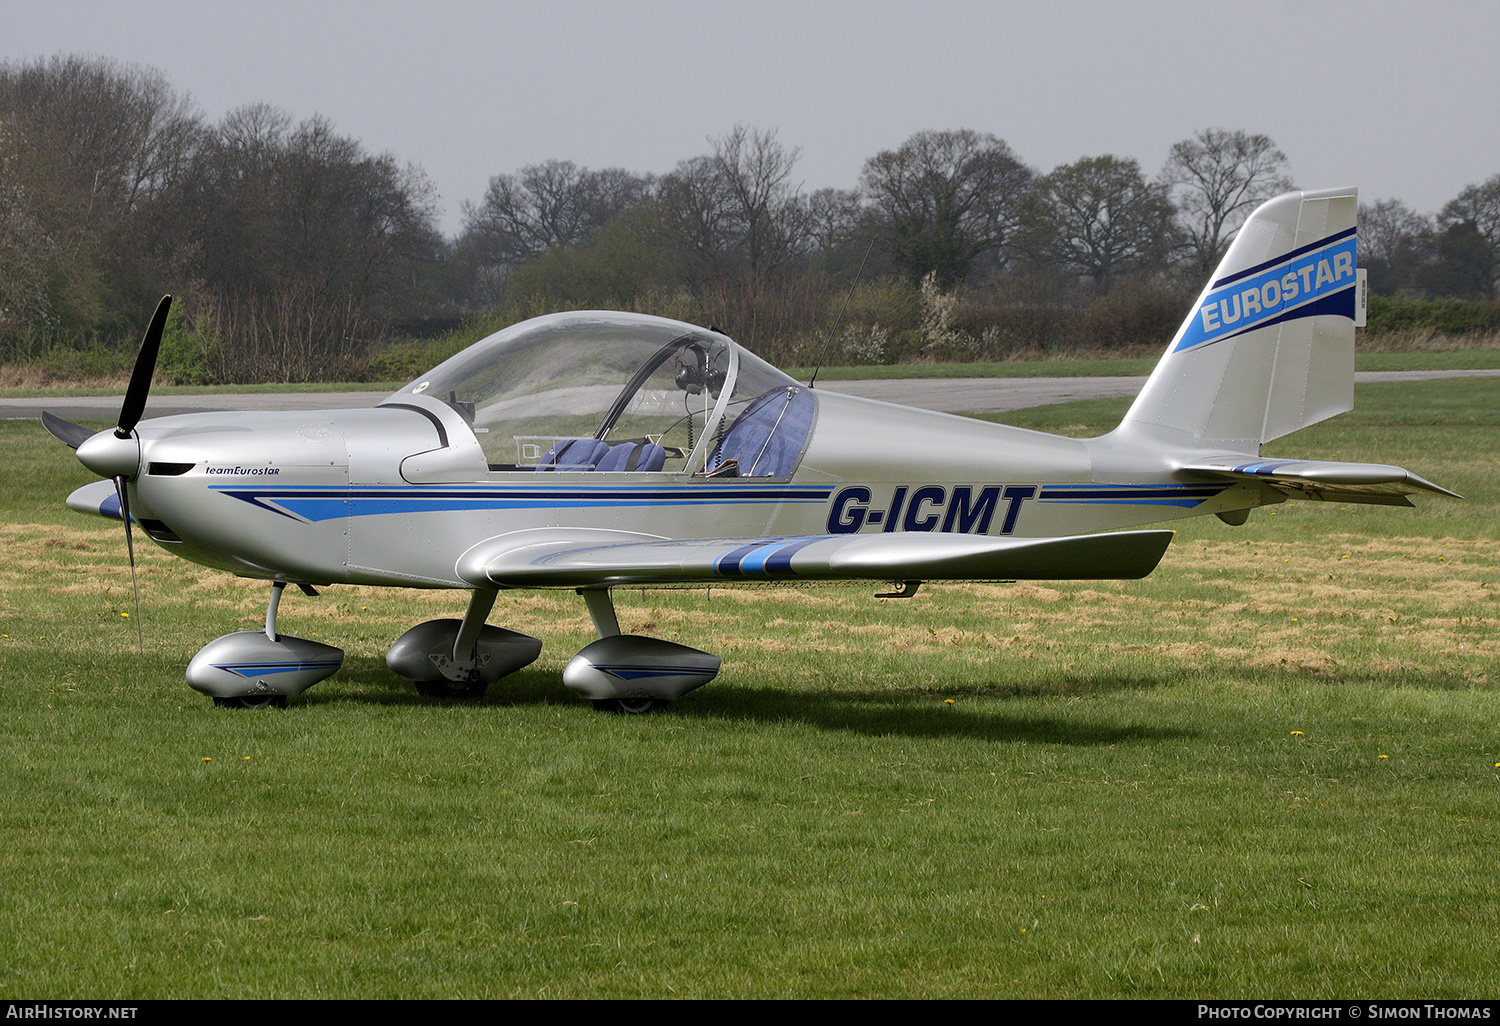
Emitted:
pixel 768 437
pixel 640 456
pixel 574 454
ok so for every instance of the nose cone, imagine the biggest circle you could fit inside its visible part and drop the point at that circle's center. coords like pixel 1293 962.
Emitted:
pixel 109 455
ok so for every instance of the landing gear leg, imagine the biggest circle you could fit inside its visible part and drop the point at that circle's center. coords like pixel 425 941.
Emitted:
pixel 601 606
pixel 460 669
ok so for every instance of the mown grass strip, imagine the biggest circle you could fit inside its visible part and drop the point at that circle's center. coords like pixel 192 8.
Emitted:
pixel 1268 770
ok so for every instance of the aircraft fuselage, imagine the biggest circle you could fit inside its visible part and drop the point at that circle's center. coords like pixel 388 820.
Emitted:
pixel 396 494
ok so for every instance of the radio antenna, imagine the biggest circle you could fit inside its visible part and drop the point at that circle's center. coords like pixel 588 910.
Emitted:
pixel 811 382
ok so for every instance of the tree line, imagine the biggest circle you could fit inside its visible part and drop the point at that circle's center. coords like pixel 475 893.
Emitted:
pixel 295 251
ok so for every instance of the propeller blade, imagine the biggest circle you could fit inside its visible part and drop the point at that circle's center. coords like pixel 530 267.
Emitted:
pixel 65 431
pixel 135 586
pixel 145 365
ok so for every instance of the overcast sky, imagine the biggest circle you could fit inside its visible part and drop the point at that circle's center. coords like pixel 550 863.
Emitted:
pixel 1401 99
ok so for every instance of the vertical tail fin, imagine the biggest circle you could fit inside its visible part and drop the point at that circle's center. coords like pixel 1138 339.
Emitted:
pixel 1269 346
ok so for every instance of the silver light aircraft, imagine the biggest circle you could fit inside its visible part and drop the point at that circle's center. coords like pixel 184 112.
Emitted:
pixel 588 450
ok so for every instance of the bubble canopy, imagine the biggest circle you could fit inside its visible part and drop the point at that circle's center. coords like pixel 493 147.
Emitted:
pixel 589 381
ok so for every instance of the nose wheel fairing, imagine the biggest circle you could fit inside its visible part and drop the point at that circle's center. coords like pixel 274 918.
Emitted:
pixel 248 664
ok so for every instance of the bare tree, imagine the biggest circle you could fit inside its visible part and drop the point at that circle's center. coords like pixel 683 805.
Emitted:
pixel 86 144
pixel 303 242
pixel 737 229
pixel 1216 179
pixel 767 216
pixel 736 210
pixel 541 206
pixel 1386 226
pixel 1480 206
pixel 1463 257
pixel 692 213
pixel 1452 255
pixel 26 252
pixel 1463 263
pixel 116 131
pixel 1100 217
pixel 1394 241
pixel 833 217
pixel 943 198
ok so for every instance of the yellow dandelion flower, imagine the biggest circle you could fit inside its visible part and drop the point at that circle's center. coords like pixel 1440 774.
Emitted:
pixel 1296 733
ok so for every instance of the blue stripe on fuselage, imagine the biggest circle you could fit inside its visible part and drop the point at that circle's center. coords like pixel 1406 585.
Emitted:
pixel 320 504
pixel 1183 496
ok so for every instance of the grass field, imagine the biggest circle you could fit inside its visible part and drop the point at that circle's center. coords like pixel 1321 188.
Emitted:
pixel 1271 769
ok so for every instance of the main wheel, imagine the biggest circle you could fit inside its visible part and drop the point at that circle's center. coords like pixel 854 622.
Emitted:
pixel 446 688
pixel 252 702
pixel 629 706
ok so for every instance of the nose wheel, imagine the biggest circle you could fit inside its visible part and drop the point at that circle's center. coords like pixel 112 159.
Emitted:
pixel 261 669
pixel 252 702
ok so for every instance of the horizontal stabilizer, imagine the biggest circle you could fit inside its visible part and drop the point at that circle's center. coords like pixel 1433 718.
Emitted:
pixel 561 558
pixel 98 498
pixel 1323 480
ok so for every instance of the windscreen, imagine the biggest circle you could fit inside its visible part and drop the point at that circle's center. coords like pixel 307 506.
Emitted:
pixel 549 385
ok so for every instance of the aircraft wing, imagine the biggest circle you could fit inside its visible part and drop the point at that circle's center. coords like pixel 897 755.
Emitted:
pixel 1323 480
pixel 562 558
